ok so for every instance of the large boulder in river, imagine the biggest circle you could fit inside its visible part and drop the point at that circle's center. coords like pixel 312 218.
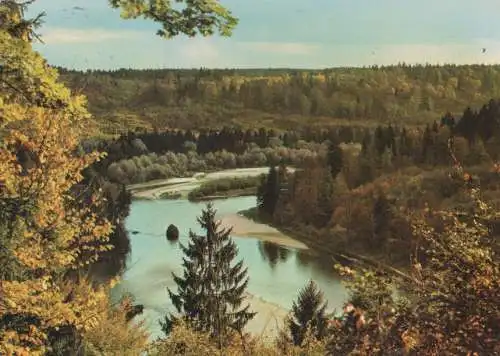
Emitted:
pixel 172 233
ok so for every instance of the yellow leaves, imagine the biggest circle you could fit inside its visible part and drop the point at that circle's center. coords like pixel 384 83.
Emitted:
pixel 410 339
pixel 53 235
pixel 113 335
pixel 8 342
pixel 31 82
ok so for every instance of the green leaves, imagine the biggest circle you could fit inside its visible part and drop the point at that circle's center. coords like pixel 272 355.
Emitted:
pixel 196 17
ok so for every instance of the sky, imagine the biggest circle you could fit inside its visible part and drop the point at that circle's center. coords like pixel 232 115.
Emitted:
pixel 279 33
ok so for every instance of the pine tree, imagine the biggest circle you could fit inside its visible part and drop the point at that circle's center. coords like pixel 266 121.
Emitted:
pixel 268 192
pixel 308 311
pixel 211 290
pixel 335 159
pixel 261 190
pixel 325 199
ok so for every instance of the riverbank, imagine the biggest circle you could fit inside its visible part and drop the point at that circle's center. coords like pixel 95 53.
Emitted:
pixel 244 227
pixel 314 242
pixel 269 320
pixel 182 186
pixel 270 292
pixel 179 188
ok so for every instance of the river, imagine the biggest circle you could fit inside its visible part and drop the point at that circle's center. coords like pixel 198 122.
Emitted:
pixel 277 272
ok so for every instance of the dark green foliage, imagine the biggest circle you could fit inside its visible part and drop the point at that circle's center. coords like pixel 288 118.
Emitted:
pixel 116 209
pixel 335 158
pixel 325 203
pixel 211 291
pixel 268 194
pixel 308 311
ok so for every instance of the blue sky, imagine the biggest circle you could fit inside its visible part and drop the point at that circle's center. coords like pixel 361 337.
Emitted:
pixel 280 33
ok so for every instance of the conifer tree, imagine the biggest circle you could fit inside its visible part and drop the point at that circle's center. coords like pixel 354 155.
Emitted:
pixel 261 189
pixel 211 291
pixel 308 311
pixel 335 159
pixel 268 192
pixel 325 199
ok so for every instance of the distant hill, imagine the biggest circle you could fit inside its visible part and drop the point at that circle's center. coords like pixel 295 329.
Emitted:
pixel 281 98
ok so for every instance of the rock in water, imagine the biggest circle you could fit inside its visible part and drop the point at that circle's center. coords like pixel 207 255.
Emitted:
pixel 172 233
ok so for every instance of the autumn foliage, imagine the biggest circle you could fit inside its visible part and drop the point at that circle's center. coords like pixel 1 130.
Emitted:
pixel 49 236
pixel 46 236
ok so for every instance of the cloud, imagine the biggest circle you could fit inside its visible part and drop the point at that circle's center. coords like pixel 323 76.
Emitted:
pixel 57 35
pixel 200 52
pixel 281 47
pixel 108 49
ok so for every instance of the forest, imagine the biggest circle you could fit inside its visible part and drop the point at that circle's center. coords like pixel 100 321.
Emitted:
pixel 400 167
pixel 353 182
pixel 127 99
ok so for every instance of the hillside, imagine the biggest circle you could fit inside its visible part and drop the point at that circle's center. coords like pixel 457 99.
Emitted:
pixel 281 98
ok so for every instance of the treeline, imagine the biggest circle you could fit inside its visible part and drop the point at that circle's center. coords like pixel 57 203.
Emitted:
pixel 384 150
pixel 230 139
pixel 152 166
pixel 142 156
pixel 283 98
pixel 358 201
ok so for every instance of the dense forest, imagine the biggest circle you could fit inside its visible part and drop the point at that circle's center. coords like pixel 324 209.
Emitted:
pixel 352 182
pixel 423 197
pixel 283 99
pixel 359 200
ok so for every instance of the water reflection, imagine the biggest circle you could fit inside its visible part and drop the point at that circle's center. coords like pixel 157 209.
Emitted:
pixel 273 253
pixel 320 264
pixel 276 273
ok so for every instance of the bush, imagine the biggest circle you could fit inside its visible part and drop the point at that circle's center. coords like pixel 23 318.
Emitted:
pixel 223 186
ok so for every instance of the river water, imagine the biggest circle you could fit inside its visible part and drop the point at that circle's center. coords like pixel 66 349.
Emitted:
pixel 276 273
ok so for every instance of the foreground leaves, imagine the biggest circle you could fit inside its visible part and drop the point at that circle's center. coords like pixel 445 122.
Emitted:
pixel 204 17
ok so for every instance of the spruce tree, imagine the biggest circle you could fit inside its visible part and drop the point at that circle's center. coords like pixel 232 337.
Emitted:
pixel 335 159
pixel 308 311
pixel 211 290
pixel 325 198
pixel 261 191
pixel 268 192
